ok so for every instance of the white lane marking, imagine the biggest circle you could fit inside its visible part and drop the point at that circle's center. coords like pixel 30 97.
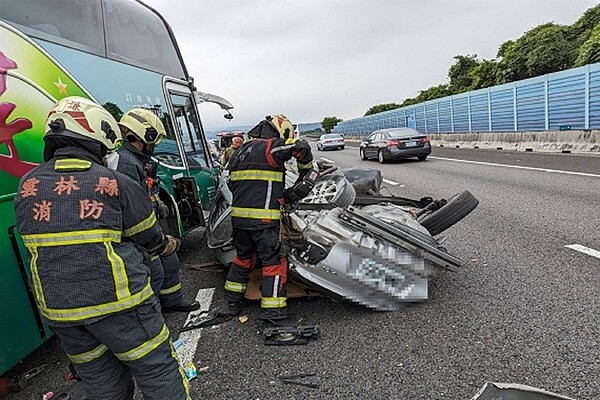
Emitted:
pixel 390 182
pixel 327 159
pixel 584 250
pixel 554 171
pixel 187 350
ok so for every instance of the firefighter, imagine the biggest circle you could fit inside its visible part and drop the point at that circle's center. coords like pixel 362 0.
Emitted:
pixel 142 131
pixel 82 224
pixel 257 183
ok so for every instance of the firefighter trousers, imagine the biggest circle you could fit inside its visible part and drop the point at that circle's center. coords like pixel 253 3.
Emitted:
pixel 265 246
pixel 170 293
pixel 157 273
pixel 136 344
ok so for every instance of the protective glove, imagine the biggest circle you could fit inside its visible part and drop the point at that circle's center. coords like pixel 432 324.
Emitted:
pixel 304 184
pixel 171 246
pixel 162 209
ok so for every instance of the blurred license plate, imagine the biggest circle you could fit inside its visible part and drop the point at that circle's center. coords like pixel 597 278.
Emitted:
pixel 410 144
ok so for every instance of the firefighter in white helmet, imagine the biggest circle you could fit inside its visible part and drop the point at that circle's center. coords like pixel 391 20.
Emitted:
pixel 83 225
pixel 142 130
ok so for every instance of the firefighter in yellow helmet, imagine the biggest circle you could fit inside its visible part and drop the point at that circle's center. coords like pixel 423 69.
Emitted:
pixel 257 184
pixel 143 130
pixel 82 224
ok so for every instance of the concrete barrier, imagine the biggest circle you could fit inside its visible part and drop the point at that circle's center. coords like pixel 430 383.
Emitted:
pixel 548 141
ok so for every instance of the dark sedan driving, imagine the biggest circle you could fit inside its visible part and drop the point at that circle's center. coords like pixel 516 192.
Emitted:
pixel 394 144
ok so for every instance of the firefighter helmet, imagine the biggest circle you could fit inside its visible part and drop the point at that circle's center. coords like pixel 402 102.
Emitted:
pixel 81 118
pixel 283 125
pixel 143 124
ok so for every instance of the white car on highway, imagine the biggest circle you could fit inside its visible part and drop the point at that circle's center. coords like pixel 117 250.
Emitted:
pixel 331 141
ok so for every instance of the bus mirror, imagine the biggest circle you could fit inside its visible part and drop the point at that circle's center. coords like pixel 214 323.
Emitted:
pixel 228 116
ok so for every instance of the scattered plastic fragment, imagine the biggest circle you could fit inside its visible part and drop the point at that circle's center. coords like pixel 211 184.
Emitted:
pixel 474 260
pixel 243 319
pixel 190 371
pixel 515 391
pixel 203 369
pixel 300 380
pixel 211 266
pixel 178 343
pixel 290 335
pixel 48 396
pixel 206 318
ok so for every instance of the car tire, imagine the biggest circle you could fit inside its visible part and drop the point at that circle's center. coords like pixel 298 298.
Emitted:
pixel 342 148
pixel 345 195
pixel 319 147
pixel 362 154
pixel 422 158
pixel 457 207
pixel 332 189
pixel 381 157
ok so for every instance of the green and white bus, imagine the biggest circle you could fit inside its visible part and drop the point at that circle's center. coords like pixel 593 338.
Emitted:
pixel 121 54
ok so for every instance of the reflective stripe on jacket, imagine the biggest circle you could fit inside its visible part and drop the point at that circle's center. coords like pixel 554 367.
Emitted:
pixel 81 223
pixel 257 180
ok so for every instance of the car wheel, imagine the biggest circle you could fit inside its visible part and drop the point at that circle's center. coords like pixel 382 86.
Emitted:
pixel 422 158
pixel 362 154
pixel 335 190
pixel 381 156
pixel 457 207
pixel 319 147
pixel 342 148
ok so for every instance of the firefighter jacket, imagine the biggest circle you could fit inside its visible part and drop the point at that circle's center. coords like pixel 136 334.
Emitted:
pixel 257 180
pixel 81 222
pixel 136 165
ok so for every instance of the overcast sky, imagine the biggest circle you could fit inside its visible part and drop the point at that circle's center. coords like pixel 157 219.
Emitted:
pixel 312 59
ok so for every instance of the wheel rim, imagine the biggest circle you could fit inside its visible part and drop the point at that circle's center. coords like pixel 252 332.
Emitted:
pixel 322 193
pixel 380 156
pixel 362 154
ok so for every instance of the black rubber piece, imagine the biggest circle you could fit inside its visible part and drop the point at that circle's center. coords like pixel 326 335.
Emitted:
pixel 457 207
pixel 345 193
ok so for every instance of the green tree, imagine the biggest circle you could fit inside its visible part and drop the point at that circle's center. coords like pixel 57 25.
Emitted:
pixel 582 29
pixel 541 50
pixel 409 102
pixel 505 48
pixel 434 92
pixel 485 74
pixel 329 123
pixel 459 74
pixel 381 108
pixel 589 52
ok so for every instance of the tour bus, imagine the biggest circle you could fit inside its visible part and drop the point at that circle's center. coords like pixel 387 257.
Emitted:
pixel 121 54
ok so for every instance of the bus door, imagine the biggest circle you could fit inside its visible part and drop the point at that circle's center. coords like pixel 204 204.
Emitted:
pixel 195 148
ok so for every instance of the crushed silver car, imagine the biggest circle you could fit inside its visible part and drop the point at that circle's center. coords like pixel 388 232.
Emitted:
pixel 355 243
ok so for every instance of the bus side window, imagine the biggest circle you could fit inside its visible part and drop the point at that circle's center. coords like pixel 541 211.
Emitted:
pixel 167 151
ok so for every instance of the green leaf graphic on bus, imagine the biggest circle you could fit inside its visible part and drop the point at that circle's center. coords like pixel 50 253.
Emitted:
pixel 30 83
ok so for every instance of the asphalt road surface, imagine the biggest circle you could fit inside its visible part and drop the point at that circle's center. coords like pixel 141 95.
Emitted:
pixel 524 308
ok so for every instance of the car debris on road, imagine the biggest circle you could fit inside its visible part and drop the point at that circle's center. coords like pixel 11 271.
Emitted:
pixel 357 245
pixel 514 391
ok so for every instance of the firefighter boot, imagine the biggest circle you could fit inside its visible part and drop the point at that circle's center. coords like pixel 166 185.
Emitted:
pixel 235 308
pixel 183 307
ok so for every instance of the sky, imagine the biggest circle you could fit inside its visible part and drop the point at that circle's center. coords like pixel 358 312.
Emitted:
pixel 315 59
